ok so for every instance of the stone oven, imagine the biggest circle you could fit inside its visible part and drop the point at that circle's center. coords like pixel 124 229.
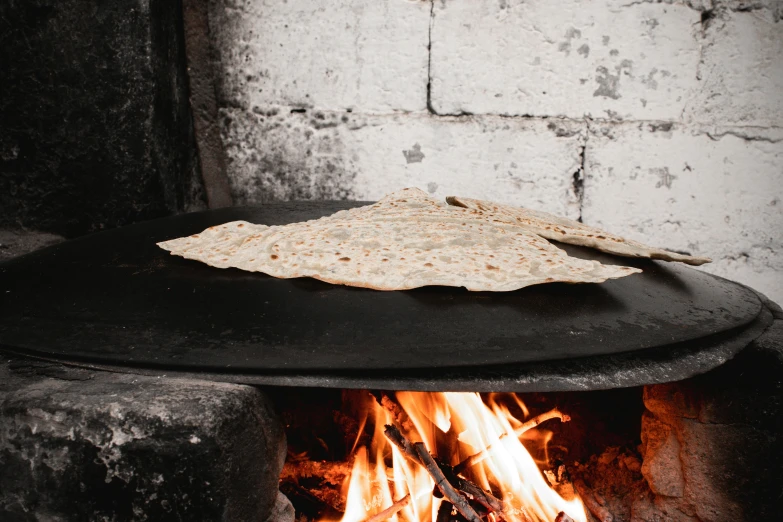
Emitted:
pixel 137 386
pixel 141 386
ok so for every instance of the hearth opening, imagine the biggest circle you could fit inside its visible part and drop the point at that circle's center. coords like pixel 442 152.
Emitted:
pixel 373 455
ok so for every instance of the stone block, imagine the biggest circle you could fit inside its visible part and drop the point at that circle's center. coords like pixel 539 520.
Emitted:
pixel 741 73
pixel 85 445
pixel 340 55
pixel 713 192
pixel 14 242
pixel 574 58
pixel 727 428
pixel 661 451
pixel 732 472
pixel 95 128
pixel 678 399
pixel 276 154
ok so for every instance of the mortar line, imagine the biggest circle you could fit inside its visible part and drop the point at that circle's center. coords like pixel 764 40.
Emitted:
pixel 430 108
pixel 580 176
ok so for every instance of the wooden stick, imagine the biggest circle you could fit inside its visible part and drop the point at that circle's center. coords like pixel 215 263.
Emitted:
pixel 487 500
pixel 562 517
pixel 390 511
pixel 418 453
pixel 529 424
pixel 592 505
pixel 554 413
pixel 460 502
pixel 399 416
pixel 399 440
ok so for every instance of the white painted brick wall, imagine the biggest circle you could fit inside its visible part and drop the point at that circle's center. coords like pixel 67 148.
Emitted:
pixel 571 58
pixel 711 195
pixel 741 71
pixel 275 154
pixel 338 54
pixel 677 106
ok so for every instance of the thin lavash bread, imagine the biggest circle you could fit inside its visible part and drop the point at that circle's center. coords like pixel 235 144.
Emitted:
pixel 406 240
pixel 572 232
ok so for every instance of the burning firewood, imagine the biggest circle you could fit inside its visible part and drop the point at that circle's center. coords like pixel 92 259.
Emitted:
pixel 590 502
pixel 445 512
pixel 398 414
pixel 419 454
pixel 528 425
pixel 562 517
pixel 391 510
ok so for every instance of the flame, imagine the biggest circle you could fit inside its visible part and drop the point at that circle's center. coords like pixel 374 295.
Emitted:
pixel 453 426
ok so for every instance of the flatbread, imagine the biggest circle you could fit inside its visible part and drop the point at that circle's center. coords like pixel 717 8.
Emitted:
pixel 572 232
pixel 406 240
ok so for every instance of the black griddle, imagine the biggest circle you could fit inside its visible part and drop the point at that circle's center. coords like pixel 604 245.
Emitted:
pixel 115 300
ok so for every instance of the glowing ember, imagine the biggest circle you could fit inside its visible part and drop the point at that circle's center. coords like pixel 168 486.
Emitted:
pixel 478 441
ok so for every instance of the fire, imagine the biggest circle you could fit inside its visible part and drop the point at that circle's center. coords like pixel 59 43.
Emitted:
pixel 387 483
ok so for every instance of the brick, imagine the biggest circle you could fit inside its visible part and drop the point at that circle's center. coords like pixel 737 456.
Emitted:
pixel 741 71
pixel 84 445
pixel 344 54
pixel 714 192
pixel 575 58
pixel 278 155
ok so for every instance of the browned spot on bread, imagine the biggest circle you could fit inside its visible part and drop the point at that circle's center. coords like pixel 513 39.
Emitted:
pixel 240 225
pixel 490 267
pixel 344 259
pixel 273 256
pixel 384 259
pixel 427 264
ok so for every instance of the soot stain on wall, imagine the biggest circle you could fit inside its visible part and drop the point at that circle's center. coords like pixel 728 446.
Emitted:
pixel 279 154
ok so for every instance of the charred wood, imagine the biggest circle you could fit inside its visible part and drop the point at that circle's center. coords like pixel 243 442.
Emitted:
pixel 418 453
pixel 460 502
pixel 591 503
pixel 400 418
pixel 562 517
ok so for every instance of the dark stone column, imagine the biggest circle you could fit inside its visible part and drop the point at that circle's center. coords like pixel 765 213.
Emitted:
pixel 95 126
pixel 84 445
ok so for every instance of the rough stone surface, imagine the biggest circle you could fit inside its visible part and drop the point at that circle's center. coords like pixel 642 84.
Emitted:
pixel 339 55
pixel 661 451
pixel 84 445
pixel 576 58
pixel 95 128
pixel 14 242
pixel 277 154
pixel 741 73
pixel 728 431
pixel 282 511
pixel 712 193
